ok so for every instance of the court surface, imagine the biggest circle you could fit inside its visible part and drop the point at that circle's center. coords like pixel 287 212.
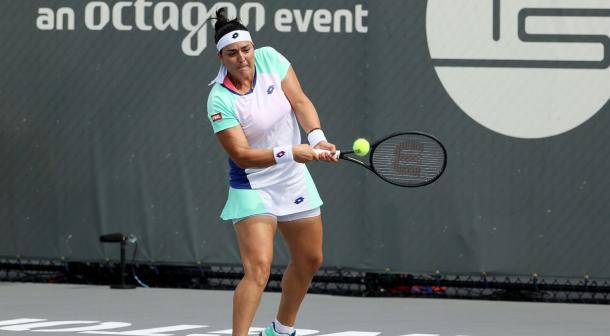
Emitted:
pixel 99 310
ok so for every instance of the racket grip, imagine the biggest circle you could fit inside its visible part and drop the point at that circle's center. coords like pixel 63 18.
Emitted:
pixel 320 151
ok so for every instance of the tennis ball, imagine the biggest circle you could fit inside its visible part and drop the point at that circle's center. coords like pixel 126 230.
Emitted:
pixel 361 147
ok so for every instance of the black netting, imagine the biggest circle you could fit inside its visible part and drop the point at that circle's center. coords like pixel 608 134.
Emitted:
pixel 326 281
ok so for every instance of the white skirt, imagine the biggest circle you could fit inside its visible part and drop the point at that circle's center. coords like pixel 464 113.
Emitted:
pixel 279 199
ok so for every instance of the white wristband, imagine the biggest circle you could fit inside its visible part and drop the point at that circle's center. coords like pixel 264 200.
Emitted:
pixel 283 154
pixel 315 137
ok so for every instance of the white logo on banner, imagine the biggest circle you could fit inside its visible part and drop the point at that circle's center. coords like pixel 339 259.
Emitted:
pixel 527 69
pixel 194 17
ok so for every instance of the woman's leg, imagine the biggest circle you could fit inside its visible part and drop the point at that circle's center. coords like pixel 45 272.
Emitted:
pixel 255 238
pixel 304 239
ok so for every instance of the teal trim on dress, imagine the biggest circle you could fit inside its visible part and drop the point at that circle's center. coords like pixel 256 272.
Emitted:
pixel 268 60
pixel 242 203
pixel 314 197
pixel 221 108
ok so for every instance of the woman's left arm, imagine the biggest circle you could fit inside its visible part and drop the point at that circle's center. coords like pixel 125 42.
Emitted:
pixel 303 108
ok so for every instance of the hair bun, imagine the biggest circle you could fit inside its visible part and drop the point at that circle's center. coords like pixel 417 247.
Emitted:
pixel 221 18
pixel 223 25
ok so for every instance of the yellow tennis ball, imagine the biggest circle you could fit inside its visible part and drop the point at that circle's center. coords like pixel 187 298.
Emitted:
pixel 361 147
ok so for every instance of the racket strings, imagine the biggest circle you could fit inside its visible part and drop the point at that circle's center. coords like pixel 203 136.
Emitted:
pixel 409 159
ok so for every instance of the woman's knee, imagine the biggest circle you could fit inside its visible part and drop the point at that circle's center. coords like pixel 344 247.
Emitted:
pixel 309 263
pixel 258 272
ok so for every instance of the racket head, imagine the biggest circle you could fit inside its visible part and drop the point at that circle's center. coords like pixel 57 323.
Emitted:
pixel 408 159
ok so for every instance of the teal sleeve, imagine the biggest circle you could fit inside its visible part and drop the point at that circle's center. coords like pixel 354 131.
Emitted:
pixel 221 116
pixel 273 61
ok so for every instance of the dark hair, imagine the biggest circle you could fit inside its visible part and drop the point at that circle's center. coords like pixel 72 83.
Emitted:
pixel 224 25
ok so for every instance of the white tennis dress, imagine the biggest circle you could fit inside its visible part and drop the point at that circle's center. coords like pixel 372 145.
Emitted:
pixel 268 121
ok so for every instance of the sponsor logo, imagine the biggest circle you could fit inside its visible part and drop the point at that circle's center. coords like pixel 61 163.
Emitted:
pixel 408 158
pixel 270 89
pixel 280 154
pixel 299 200
pixel 525 69
pixel 216 117
pixel 196 18
pixel 234 36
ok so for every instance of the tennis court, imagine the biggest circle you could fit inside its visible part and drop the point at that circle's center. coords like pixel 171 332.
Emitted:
pixel 201 312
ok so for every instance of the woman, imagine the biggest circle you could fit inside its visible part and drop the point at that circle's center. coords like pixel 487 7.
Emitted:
pixel 254 106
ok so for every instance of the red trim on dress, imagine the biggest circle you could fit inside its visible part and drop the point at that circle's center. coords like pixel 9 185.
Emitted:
pixel 228 84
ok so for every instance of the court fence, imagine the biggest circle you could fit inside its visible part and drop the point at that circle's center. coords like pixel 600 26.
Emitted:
pixel 331 281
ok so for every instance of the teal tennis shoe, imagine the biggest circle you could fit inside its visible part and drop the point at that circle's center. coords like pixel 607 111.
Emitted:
pixel 270 331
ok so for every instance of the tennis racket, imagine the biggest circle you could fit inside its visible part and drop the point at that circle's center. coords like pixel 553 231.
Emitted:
pixel 406 159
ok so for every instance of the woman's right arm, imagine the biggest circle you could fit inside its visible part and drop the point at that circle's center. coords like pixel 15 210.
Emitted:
pixel 234 142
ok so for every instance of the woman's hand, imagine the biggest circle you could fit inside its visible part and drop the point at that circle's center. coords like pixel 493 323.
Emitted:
pixel 303 153
pixel 329 147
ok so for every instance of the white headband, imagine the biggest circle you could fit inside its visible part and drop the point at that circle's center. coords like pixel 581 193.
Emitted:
pixel 232 37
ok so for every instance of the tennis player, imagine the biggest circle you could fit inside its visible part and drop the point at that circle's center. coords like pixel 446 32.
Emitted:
pixel 253 106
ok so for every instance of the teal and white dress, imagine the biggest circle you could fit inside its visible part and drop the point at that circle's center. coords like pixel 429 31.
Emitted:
pixel 267 119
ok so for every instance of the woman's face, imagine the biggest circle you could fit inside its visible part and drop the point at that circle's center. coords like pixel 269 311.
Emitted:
pixel 238 57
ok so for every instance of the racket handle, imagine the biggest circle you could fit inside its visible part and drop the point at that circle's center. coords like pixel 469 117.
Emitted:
pixel 320 151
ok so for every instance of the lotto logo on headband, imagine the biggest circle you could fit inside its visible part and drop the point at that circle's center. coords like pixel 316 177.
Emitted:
pixel 235 35
pixel 216 117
